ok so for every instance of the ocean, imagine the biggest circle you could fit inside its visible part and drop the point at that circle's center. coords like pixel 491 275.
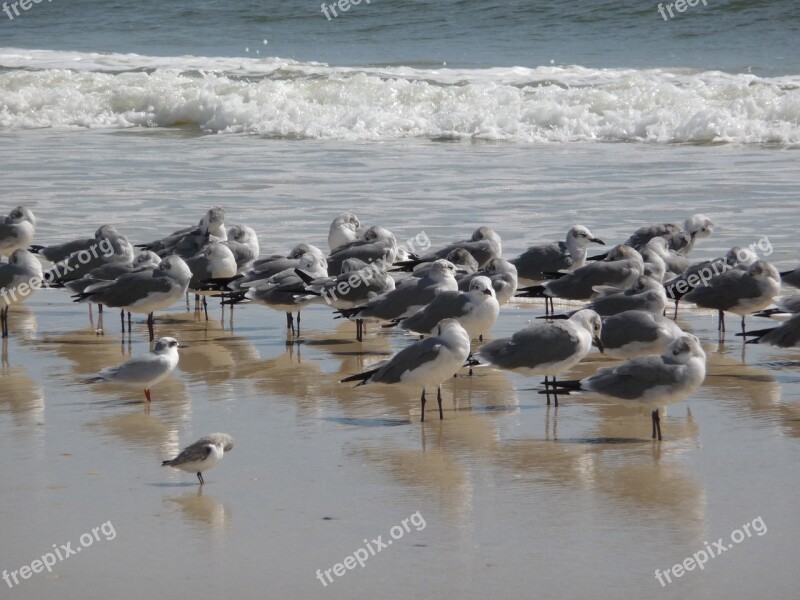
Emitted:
pixel 424 117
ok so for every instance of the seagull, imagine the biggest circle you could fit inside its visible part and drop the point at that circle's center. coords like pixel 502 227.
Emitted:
pixel 645 294
pixel 620 269
pixel 635 332
pixel 216 261
pixel 284 291
pixel 243 242
pixel 739 292
pixel 59 252
pixel 409 296
pixel 476 310
pixel 556 256
pixel 674 262
pixel 427 362
pixel 652 381
pixel 203 455
pixel 791 278
pixel 735 258
pixel 146 370
pixel 344 229
pixel 546 348
pixel 115 248
pixel 463 261
pixel 697 227
pixel 144 292
pixel 268 266
pixel 19 277
pixel 144 261
pixel 484 245
pixel 503 276
pixel 16 230
pixel 786 335
pixel 378 245
pixel 357 284
pixel 189 241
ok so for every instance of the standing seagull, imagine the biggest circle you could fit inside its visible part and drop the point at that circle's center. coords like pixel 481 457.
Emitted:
pixel 538 260
pixel 431 361
pixel 18 279
pixel 144 292
pixel 739 292
pixel 652 381
pixel 144 371
pixel 547 348
pixel 203 455
pixel 503 276
pixel 16 230
pixel 476 310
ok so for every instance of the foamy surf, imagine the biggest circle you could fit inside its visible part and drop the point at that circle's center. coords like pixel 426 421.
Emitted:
pixel 281 98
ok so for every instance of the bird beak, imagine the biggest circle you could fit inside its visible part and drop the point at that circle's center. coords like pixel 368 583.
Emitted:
pixel 598 241
pixel 182 346
pixel 487 292
pixel 599 345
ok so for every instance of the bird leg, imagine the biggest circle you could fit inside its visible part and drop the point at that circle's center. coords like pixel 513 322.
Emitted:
pixel 721 324
pixel 744 333
pixel 149 326
pixel 147 395
pixel 289 322
pixel 99 308
pixel 439 401
pixel 129 323
pixel 200 477
pixel 298 323
pixel 422 400
pixel 205 307
pixel 547 387
pixel 4 321
pixel 656 424
pixel 359 330
pixel 555 392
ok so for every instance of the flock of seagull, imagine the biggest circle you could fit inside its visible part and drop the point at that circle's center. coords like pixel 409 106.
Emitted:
pixel 450 296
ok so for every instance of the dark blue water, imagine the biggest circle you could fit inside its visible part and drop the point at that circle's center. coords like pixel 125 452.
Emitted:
pixel 732 35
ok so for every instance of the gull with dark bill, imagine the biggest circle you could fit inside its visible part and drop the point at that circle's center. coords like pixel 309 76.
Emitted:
pixel 556 256
pixel 203 455
pixel 652 381
pixel 546 348
pixel 144 371
pixel 427 362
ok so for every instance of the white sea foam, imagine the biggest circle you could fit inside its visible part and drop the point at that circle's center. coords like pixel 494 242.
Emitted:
pixel 288 99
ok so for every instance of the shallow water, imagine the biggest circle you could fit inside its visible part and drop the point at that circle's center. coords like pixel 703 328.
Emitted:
pixel 518 499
